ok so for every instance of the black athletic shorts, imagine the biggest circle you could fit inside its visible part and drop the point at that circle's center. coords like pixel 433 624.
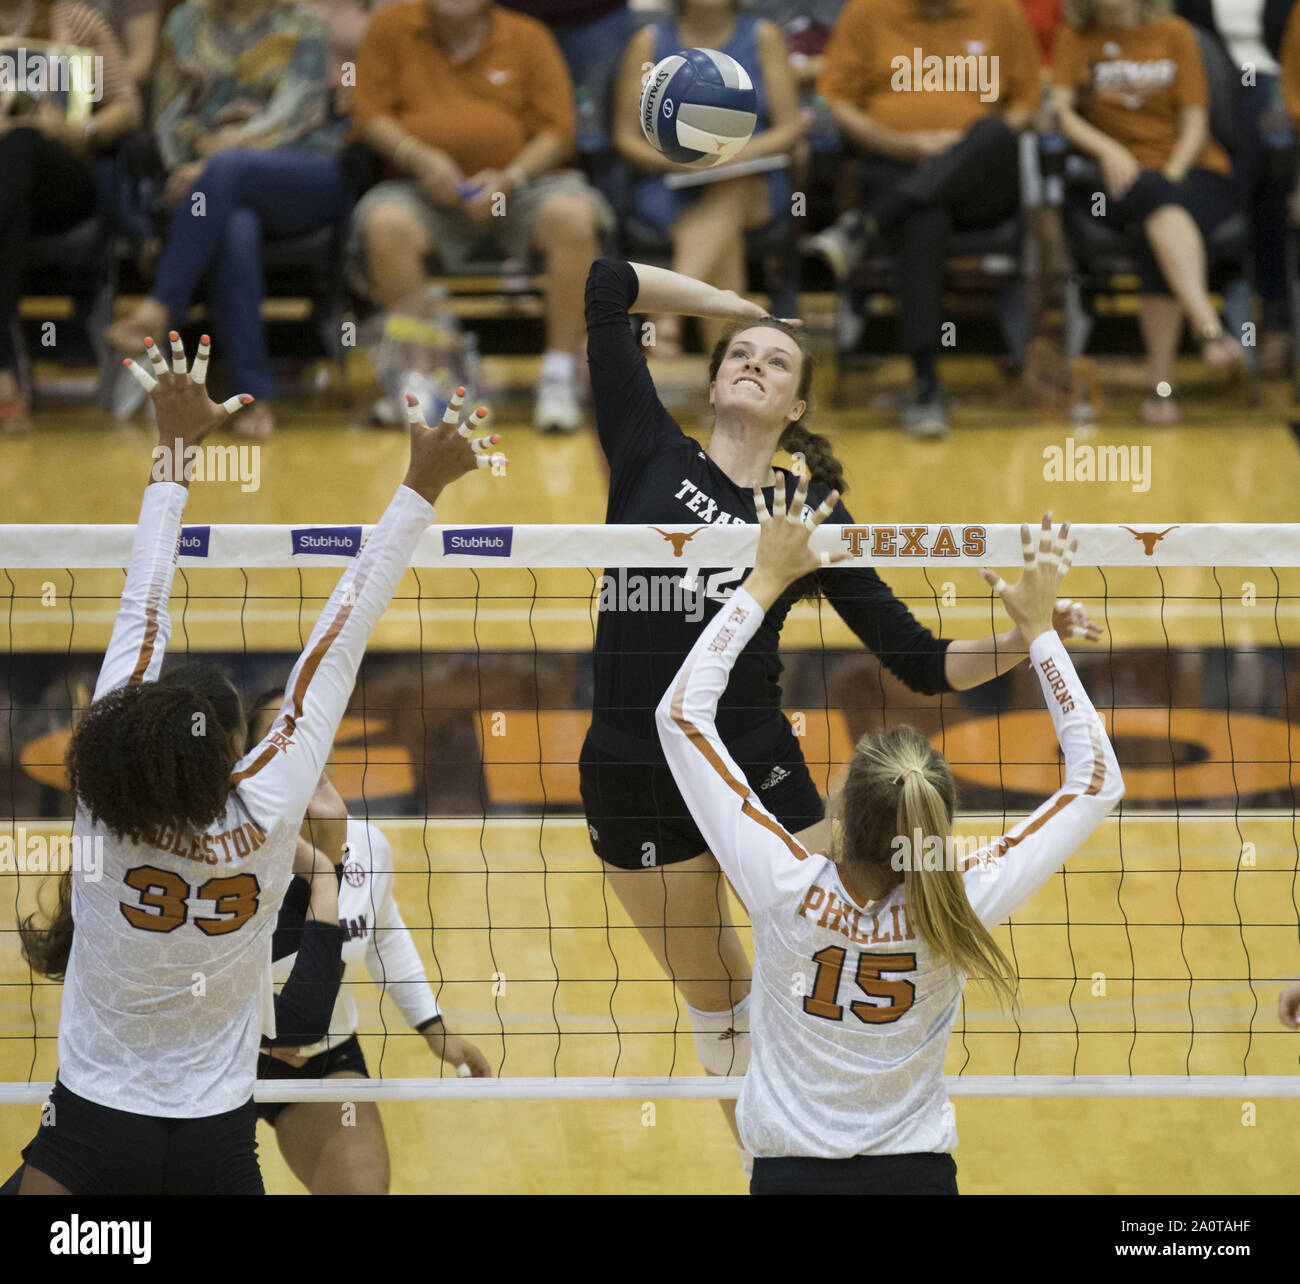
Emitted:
pixel 637 818
pixel 344 1056
pixel 96 1150
pixel 922 1174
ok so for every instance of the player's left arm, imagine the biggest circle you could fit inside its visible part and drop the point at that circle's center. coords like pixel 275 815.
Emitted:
pixel 185 417
pixel 394 963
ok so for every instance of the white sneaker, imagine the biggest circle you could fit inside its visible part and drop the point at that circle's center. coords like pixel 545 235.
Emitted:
pixel 557 408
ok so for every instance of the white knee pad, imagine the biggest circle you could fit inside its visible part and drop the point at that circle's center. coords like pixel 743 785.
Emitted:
pixel 722 1038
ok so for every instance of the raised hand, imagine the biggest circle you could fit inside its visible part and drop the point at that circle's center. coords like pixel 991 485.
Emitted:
pixel 186 414
pixel 783 552
pixel 440 455
pixel 1031 602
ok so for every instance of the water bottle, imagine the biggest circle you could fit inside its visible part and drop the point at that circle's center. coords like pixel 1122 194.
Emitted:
pixel 420 349
pixel 1051 150
pixel 823 132
pixel 593 144
pixel 1277 136
pixel 1275 121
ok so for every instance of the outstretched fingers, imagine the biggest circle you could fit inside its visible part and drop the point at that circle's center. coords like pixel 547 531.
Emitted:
pixel 760 506
pixel 178 354
pixel 200 372
pixel 231 404
pixel 140 375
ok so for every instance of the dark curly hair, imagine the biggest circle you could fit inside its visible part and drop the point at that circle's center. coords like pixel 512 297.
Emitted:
pixel 136 762
pixel 158 753
pixel 815 449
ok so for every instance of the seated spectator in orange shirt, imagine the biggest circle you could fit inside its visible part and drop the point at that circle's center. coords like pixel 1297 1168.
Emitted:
pixel 1130 88
pixel 473 108
pixel 933 92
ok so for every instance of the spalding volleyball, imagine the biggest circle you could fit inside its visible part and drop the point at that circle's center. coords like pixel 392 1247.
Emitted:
pixel 698 107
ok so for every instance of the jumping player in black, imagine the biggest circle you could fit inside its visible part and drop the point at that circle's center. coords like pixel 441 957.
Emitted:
pixel 759 380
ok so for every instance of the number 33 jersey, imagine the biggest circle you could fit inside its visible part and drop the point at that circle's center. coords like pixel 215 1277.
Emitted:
pixel 168 986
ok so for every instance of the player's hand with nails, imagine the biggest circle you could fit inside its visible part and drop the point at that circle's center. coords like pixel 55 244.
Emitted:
pixel 1031 602
pixel 440 455
pixel 783 552
pixel 186 414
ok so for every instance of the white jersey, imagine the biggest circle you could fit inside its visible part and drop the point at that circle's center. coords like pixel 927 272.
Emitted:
pixel 851 1012
pixel 168 987
pixel 375 939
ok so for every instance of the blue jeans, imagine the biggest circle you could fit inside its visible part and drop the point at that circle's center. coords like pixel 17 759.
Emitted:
pixel 247 195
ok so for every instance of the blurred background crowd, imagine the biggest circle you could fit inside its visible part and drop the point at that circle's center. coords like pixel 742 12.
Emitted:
pixel 362 152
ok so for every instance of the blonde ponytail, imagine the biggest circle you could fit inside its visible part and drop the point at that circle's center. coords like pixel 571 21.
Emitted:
pixel 899 787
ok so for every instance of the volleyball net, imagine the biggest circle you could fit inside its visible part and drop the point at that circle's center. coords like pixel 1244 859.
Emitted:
pixel 1151 965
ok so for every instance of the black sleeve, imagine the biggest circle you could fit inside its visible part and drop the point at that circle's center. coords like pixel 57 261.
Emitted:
pixel 305 1004
pixel 630 419
pixel 884 624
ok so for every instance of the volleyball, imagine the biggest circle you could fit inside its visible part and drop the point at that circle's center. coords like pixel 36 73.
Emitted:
pixel 698 107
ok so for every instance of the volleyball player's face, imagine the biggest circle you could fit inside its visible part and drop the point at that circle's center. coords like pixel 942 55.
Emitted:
pixel 759 375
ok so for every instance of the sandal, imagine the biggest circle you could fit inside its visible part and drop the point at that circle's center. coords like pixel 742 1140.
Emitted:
pixel 14 418
pixel 1219 350
pixel 1160 409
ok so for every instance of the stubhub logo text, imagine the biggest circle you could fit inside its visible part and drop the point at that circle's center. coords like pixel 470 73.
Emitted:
pixel 486 541
pixel 194 541
pixel 335 541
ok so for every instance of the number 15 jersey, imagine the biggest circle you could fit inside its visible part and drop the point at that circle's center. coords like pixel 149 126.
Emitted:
pixel 851 1012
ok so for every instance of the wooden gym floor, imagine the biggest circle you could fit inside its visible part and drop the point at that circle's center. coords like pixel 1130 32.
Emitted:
pixel 1226 463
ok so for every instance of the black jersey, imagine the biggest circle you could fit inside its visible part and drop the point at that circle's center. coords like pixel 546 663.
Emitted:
pixel 648 619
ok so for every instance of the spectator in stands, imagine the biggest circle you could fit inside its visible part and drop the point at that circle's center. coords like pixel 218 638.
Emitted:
pixel 240 115
pixel 1130 88
pixel 707 223
pixel 941 148
pixel 136 24
pixel 472 106
pixel 1261 163
pixel 347 20
pixel 806 26
pixel 592 35
pixel 46 183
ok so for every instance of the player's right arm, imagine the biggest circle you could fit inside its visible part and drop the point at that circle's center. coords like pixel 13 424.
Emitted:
pixel 185 417
pixel 279 775
pixel 630 419
pixel 1002 877
pixel 760 857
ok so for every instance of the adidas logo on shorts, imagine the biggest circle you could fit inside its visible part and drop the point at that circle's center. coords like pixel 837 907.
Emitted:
pixel 774 778
pixel 595 837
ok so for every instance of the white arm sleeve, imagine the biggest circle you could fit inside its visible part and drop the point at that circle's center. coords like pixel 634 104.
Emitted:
pixel 1004 876
pixel 759 856
pixel 278 776
pixel 143 625
pixel 391 957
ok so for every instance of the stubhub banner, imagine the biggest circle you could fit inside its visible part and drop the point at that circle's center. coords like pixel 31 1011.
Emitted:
pixel 194 541
pixel 486 541
pixel 335 541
